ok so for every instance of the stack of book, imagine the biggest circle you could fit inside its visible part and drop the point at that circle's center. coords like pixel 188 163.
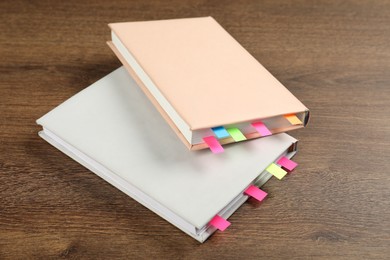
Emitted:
pixel 189 76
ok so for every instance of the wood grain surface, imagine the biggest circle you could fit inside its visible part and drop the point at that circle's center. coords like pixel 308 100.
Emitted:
pixel 333 55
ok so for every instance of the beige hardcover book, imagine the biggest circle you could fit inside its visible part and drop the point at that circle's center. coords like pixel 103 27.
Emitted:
pixel 201 79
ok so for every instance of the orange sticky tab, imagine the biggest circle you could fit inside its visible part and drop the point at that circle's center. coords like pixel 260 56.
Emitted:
pixel 293 119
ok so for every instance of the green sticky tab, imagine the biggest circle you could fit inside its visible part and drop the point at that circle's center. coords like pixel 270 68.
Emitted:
pixel 276 171
pixel 236 134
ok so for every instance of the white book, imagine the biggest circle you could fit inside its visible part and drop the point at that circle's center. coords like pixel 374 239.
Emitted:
pixel 112 129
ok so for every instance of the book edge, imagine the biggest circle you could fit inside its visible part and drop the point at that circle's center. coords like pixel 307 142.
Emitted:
pixel 193 147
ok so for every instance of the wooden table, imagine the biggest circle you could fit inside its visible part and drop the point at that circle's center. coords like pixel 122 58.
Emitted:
pixel 333 55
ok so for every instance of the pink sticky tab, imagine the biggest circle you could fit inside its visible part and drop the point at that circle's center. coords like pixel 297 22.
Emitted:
pixel 256 193
pixel 287 163
pixel 261 128
pixel 213 144
pixel 219 223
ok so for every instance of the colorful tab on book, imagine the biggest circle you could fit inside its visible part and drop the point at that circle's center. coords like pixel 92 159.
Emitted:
pixel 220 132
pixel 219 223
pixel 261 128
pixel 236 134
pixel 255 192
pixel 287 163
pixel 276 171
pixel 213 144
pixel 293 119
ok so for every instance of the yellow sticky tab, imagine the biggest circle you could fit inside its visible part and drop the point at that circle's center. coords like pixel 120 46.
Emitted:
pixel 236 134
pixel 293 119
pixel 276 171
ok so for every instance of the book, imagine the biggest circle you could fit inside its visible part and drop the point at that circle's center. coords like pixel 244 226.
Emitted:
pixel 203 82
pixel 112 129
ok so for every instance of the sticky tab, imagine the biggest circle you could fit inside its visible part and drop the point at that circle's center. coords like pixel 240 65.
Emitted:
pixel 219 222
pixel 293 119
pixel 261 128
pixel 236 134
pixel 276 171
pixel 213 144
pixel 220 132
pixel 255 192
pixel 287 163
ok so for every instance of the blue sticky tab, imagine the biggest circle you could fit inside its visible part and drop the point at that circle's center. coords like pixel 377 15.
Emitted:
pixel 220 132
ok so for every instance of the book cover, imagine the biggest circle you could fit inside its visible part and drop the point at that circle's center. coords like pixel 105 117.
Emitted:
pixel 203 78
pixel 112 129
